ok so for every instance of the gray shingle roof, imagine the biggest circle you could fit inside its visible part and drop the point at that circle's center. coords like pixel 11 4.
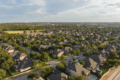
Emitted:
pixel 23 64
pixel 57 51
pixel 76 69
pixel 90 63
pixel 59 76
pixel 97 58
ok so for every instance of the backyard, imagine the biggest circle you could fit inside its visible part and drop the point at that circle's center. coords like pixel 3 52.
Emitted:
pixel 104 70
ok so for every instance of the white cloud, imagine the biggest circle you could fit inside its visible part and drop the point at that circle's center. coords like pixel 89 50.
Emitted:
pixel 35 2
pixel 60 10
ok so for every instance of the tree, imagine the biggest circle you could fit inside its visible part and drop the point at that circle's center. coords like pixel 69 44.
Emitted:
pixel 35 30
pixel 73 52
pixel 20 48
pixel 61 46
pixel 54 56
pixel 15 45
pixel 37 56
pixel 45 57
pixel 77 51
pixel 24 32
pixel 63 62
pixel 46 71
pixel 34 64
pixel 74 58
pixel 19 41
pixel 82 48
pixel 31 54
pixel 113 54
pixel 60 67
pixel 82 62
pixel 31 75
pixel 2 74
pixel 62 57
pixel 7 64
pixel 26 51
pixel 26 44
pixel 36 74
pixel 52 47
pixel 86 53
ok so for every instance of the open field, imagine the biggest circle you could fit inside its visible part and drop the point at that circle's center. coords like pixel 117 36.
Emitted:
pixel 19 31
pixel 13 32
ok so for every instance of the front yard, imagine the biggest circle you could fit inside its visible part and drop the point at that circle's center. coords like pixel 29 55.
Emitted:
pixel 42 65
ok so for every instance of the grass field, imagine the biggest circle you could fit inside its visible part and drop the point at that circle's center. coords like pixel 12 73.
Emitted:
pixel 10 32
pixel 19 31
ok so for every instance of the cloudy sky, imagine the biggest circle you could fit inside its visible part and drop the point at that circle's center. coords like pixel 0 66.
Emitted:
pixel 59 10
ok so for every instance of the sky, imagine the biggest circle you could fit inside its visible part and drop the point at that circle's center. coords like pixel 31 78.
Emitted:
pixel 59 11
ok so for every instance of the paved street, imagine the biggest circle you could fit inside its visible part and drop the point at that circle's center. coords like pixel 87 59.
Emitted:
pixel 80 56
pixel 24 77
pixel 53 63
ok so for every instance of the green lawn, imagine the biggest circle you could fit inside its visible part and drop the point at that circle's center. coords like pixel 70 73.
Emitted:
pixel 42 65
pixel 58 59
pixel 13 71
pixel 104 70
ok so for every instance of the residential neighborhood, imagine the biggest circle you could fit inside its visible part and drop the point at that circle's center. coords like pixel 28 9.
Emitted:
pixel 59 53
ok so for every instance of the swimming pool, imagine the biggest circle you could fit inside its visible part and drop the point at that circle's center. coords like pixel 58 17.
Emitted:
pixel 92 79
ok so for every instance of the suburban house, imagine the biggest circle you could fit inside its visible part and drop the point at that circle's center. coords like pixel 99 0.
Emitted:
pixel 73 47
pixel 65 41
pixel 17 56
pixel 23 65
pixel 92 65
pixel 48 31
pixel 58 75
pixel 58 52
pixel 79 45
pixel 25 40
pixel 67 49
pixel 86 43
pixel 104 53
pixel 39 78
pixel 76 69
pixel 91 42
pixel 40 47
pixel 8 47
pixel 49 44
pixel 98 58
pixel 58 43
